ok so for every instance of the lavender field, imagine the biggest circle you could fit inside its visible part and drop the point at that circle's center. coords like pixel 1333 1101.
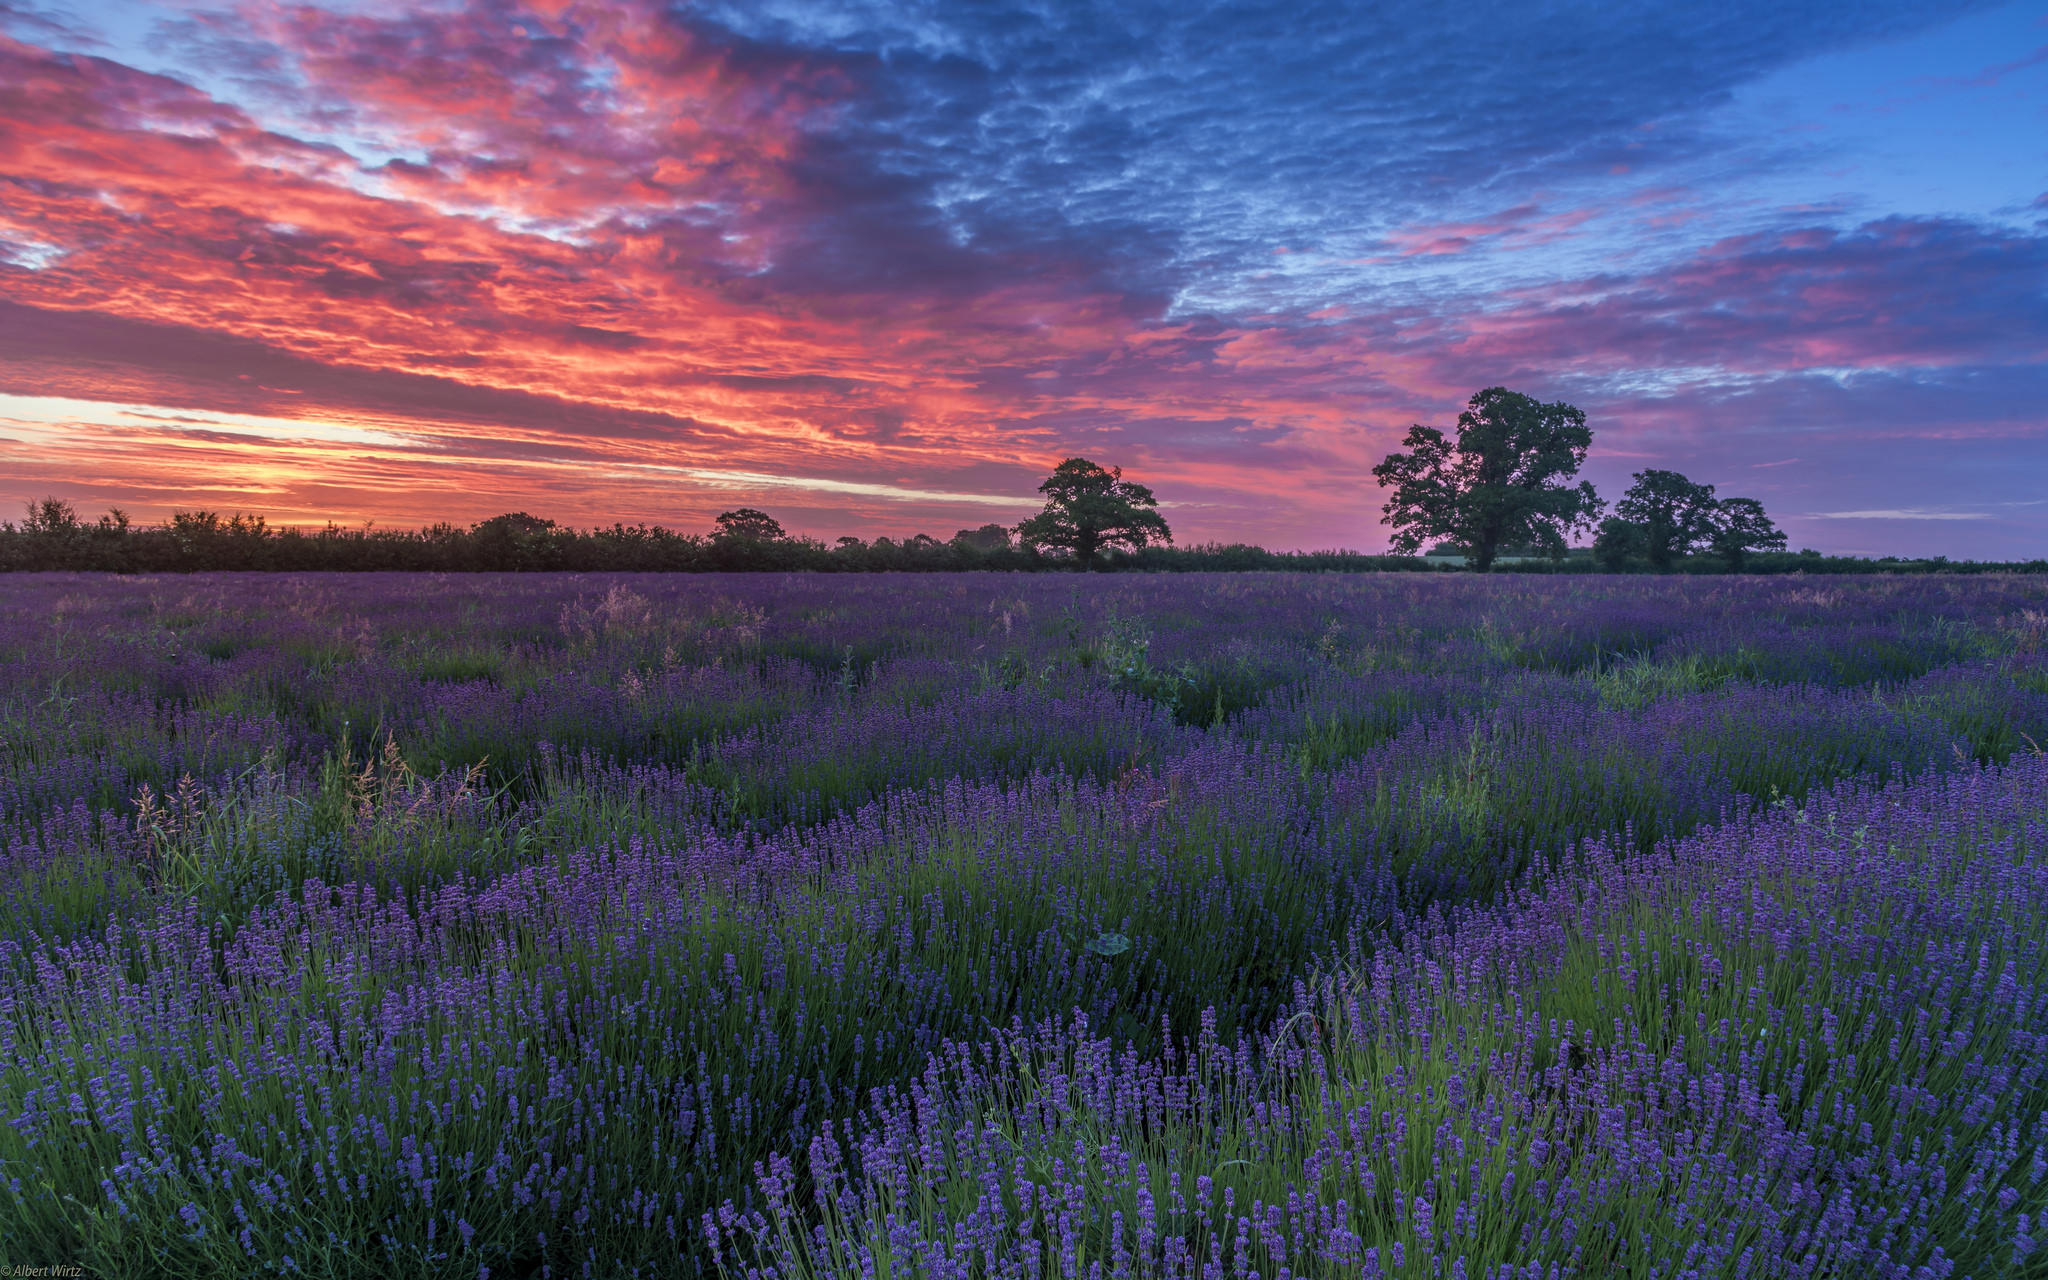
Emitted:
pixel 976 925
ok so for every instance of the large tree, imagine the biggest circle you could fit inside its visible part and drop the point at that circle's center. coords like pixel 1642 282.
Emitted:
pixel 1673 516
pixel 1088 509
pixel 514 540
pixel 748 525
pixel 1505 480
pixel 1740 527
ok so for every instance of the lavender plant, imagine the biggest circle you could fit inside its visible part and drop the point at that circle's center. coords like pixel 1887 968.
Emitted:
pixel 1809 1044
pixel 615 925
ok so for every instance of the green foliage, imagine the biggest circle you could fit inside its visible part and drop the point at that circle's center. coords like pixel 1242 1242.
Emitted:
pixel 1122 653
pixel 372 821
pixel 1634 683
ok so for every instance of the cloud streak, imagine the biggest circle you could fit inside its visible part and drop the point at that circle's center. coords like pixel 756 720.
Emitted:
pixel 1906 513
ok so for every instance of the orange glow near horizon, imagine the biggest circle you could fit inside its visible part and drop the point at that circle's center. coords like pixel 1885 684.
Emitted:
pixel 470 341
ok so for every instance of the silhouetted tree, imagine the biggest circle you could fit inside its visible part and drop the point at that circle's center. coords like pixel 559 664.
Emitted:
pixel 1674 517
pixel 749 525
pixel 1740 527
pixel 58 538
pixel 1088 509
pixel 513 524
pixel 517 540
pixel 52 518
pixel 1505 479
pixel 990 537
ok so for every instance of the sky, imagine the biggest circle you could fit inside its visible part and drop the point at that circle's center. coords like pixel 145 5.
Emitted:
pixel 877 267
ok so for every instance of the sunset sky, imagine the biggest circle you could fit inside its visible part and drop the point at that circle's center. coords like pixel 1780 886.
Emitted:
pixel 876 267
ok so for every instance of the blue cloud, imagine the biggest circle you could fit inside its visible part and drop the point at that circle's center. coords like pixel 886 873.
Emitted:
pixel 1177 145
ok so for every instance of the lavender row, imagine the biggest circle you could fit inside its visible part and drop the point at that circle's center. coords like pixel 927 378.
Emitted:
pixel 108 684
pixel 589 1052
pixel 448 926
pixel 720 998
pixel 1463 783
pixel 1811 1044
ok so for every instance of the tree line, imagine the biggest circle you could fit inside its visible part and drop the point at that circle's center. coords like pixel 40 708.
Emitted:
pixel 1505 480
pixel 54 537
pixel 1496 493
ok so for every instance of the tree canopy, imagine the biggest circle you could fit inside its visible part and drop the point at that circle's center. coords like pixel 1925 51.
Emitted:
pixel 1740 527
pixel 515 538
pixel 748 525
pixel 1665 517
pixel 1088 509
pixel 989 537
pixel 1673 516
pixel 1505 479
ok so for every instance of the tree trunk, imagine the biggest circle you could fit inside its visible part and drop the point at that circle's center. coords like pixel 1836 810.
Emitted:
pixel 1085 547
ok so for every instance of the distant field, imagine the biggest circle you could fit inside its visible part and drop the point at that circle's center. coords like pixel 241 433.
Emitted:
pixel 972 925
